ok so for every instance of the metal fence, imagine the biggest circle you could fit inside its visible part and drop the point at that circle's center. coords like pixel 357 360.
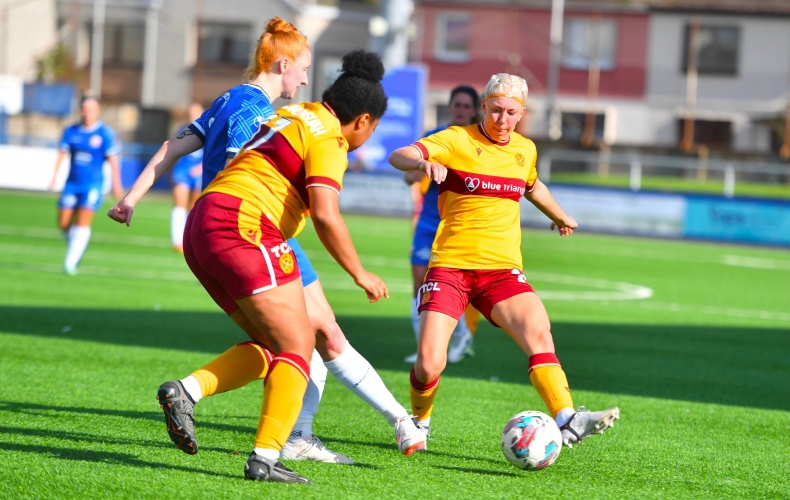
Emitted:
pixel 637 165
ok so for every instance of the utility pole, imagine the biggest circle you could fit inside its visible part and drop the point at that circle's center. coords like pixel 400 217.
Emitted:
pixel 97 47
pixel 691 86
pixel 395 43
pixel 555 59
pixel 593 80
pixel 785 151
pixel 149 64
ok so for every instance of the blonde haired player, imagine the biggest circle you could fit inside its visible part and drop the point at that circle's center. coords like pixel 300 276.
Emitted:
pixel 483 171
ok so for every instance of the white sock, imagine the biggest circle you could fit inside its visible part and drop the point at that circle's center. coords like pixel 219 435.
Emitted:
pixel 425 422
pixel 178 220
pixel 563 416
pixel 79 236
pixel 192 386
pixel 461 329
pixel 354 372
pixel 267 453
pixel 415 318
pixel 303 429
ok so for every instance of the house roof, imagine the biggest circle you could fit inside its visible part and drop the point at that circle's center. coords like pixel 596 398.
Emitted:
pixel 723 6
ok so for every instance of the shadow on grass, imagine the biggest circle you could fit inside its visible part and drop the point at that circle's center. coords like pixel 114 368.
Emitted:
pixel 105 457
pixel 476 471
pixel 42 410
pixel 736 366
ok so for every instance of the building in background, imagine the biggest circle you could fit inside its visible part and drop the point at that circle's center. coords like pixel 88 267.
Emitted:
pixel 157 56
pixel 624 63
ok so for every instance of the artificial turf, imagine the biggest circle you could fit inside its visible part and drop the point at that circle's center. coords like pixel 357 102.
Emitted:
pixel 700 370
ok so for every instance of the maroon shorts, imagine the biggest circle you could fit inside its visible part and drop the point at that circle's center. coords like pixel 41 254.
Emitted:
pixel 449 291
pixel 231 266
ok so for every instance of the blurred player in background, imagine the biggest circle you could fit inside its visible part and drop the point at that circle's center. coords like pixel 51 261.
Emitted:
pixel 483 171
pixel 186 179
pixel 464 109
pixel 224 128
pixel 89 143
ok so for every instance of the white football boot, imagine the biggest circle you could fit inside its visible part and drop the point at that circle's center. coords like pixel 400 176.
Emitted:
pixel 411 359
pixel 584 423
pixel 312 449
pixel 459 344
pixel 409 436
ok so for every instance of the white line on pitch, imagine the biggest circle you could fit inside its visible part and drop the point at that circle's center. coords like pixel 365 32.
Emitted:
pixel 717 311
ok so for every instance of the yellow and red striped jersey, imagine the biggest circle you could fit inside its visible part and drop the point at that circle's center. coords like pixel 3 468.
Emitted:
pixel 300 147
pixel 479 200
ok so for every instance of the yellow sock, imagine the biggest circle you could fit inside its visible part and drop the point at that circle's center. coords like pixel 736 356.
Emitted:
pixel 283 391
pixel 472 317
pixel 422 395
pixel 236 367
pixel 550 381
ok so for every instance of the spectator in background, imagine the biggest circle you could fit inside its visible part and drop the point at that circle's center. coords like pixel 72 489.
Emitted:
pixel 464 110
pixel 89 143
pixel 186 179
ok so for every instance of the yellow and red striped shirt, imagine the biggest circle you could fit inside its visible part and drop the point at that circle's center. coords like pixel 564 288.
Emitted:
pixel 300 147
pixel 479 200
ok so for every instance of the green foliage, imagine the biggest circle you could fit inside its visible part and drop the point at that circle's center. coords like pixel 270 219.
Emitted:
pixel 699 371
pixel 57 65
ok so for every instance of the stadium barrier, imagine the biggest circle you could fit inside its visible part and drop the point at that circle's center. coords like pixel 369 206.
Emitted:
pixel 609 210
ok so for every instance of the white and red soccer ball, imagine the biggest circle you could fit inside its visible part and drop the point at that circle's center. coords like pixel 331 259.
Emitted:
pixel 531 440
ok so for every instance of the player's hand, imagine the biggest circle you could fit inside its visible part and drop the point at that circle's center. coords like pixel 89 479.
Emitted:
pixel 565 226
pixel 373 285
pixel 435 171
pixel 121 212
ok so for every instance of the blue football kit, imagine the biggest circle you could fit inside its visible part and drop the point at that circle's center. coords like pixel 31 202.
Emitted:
pixel 428 223
pixel 225 128
pixel 182 171
pixel 89 147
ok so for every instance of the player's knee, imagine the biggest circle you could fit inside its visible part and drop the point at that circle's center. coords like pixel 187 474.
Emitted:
pixel 540 336
pixel 429 366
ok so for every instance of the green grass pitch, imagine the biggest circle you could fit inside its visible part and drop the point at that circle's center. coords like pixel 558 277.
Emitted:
pixel 700 370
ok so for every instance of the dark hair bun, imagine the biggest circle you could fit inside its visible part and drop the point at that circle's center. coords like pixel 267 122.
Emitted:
pixel 363 64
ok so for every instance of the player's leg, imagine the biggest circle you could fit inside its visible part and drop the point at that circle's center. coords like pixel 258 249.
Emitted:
pixel 178 216
pixel 194 194
pixel 80 231
pixel 525 319
pixel 443 298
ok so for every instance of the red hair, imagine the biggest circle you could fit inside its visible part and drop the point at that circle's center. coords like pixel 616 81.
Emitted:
pixel 279 39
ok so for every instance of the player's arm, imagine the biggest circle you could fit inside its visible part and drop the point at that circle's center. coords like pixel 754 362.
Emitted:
pixel 58 162
pixel 184 143
pixel 410 159
pixel 115 172
pixel 333 233
pixel 541 197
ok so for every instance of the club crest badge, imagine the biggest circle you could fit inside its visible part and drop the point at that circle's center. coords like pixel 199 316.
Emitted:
pixel 287 263
pixel 520 159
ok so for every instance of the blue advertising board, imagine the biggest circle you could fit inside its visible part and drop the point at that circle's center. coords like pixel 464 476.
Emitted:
pixel 754 221
pixel 401 124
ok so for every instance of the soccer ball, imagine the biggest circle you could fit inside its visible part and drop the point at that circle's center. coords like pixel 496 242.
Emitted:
pixel 531 440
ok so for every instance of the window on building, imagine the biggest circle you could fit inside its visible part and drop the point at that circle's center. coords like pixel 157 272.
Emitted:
pixel 124 44
pixel 452 37
pixel 221 43
pixel 573 126
pixel 717 50
pixel 712 133
pixel 583 38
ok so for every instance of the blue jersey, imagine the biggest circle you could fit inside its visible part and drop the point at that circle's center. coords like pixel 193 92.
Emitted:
pixel 228 124
pixel 88 147
pixel 185 164
pixel 429 216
